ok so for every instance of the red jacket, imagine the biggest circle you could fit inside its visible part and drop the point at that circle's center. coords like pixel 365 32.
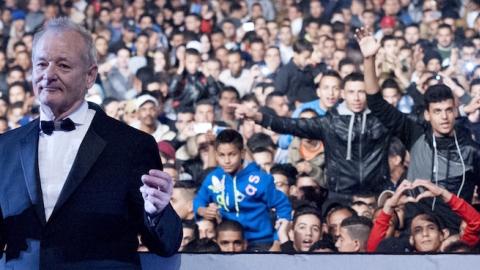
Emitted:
pixel 462 208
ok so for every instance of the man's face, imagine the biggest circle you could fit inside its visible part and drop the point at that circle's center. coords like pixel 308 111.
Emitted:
pixel 340 40
pixel 180 203
pixel 301 59
pixel 16 94
pixel 334 221
pixel 441 116
pixel 142 45
pixel 307 230
pixel 192 24
pixel 147 114
pixel 229 157
pixel 61 74
pixel 226 98
pixel 123 56
pixel 204 114
pixel 188 236
pixel 213 68
pixel 183 119
pixel 355 96
pixel 192 63
pixel 391 95
pixel 281 183
pixel 218 40
pixel 391 7
pixel 102 46
pixel 206 229
pixel 231 241
pixel 345 243
pixel 272 57
pixel 316 9
pixel 280 105
pixel 264 160
pixel 426 235
pixel 368 19
pixel 468 53
pixel 285 35
pixel 328 49
pixel 412 35
pixel 444 37
pixel 305 182
pixel 434 65
pixel 257 50
pixel 329 92
pixel 229 30
pixel 113 109
pixel 235 64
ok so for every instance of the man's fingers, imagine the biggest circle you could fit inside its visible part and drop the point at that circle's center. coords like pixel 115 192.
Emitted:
pixel 165 184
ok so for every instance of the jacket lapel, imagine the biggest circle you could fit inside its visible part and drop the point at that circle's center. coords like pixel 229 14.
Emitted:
pixel 88 153
pixel 28 159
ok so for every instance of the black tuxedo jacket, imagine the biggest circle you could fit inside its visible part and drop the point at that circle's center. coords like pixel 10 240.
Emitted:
pixel 99 212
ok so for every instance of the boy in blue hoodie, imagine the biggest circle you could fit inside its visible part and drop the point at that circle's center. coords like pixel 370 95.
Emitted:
pixel 241 193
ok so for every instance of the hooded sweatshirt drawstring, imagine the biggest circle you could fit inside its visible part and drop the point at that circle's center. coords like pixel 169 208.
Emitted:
pixel 350 135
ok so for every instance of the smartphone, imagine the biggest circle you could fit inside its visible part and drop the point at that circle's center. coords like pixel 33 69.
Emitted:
pixel 201 128
pixel 248 26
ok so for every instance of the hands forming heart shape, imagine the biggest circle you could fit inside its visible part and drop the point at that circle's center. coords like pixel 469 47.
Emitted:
pixel 403 196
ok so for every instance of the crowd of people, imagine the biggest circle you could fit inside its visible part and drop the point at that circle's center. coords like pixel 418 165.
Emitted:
pixel 287 126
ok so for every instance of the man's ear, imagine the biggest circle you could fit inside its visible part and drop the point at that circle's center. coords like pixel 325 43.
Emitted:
pixel 91 76
pixel 426 115
pixel 357 245
pixel 445 233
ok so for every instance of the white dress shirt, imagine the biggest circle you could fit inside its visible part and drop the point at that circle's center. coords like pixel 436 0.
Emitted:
pixel 57 152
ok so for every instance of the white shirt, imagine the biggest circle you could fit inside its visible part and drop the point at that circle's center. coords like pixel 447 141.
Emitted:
pixel 57 152
pixel 243 83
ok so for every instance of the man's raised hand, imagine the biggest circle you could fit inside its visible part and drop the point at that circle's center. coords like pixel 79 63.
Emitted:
pixel 367 42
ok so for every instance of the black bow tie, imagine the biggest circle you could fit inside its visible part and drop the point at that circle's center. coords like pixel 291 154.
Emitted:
pixel 49 126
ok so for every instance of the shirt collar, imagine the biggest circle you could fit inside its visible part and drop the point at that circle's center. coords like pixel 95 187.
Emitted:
pixel 79 116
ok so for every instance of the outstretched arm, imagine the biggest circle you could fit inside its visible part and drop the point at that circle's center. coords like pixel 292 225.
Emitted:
pixel 369 47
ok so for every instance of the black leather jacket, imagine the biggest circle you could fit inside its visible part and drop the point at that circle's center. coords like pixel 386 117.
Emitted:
pixel 356 149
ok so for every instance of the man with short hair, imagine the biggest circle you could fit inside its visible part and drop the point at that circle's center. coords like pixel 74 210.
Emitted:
pixel 236 75
pixel 147 113
pixel 440 151
pixel 354 232
pixel 230 237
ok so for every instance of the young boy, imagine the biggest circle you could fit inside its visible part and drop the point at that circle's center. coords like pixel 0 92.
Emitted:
pixel 243 193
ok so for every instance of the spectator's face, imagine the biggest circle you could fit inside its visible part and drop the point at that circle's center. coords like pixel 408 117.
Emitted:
pixel 113 110
pixel 235 64
pixel 328 49
pixel 468 53
pixel 141 45
pixel 444 37
pixel 145 22
pixel 412 35
pixel 231 241
pixel 391 95
pixel 117 15
pixel 312 30
pixel 264 160
pixel 102 46
pixel 368 19
pixel 316 9
pixel 345 243
pixel 204 114
pixel 178 18
pixel 188 236
pixel 363 210
pixel 206 229
pixel 3 126
pixel 340 40
pixel 229 30
pixel 305 182
pixel 391 7
pixel 286 36
pixel 425 235
pixel 257 50
pixel 218 40
pixel 226 98
pixel 159 61
pixel 123 56
pixel 329 92
pixel 306 231
pixel 334 221
pixel 15 76
pixel 222 55
pixel 301 58
pixel 192 63
pixel 280 105
pixel 390 47
pixel 281 183
pixel 192 24
pixel 180 203
pixel 61 74
pixel 177 40
pixel 147 114
pixel 183 119
pixel 441 116
pixel 346 70
pixel 272 57
pixel 213 69
pixel 370 201
pixel 229 157
pixel 434 65
pixel 3 107
pixel 16 93
pixel 355 96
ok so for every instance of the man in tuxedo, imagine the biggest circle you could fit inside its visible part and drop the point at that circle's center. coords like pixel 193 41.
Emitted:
pixel 76 186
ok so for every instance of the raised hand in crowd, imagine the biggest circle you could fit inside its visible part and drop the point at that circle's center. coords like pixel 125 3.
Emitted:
pixel 243 111
pixel 369 46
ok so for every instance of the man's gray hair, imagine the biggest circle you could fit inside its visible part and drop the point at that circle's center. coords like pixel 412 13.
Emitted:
pixel 62 24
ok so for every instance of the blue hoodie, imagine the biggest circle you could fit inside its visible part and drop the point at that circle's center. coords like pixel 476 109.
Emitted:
pixel 256 195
